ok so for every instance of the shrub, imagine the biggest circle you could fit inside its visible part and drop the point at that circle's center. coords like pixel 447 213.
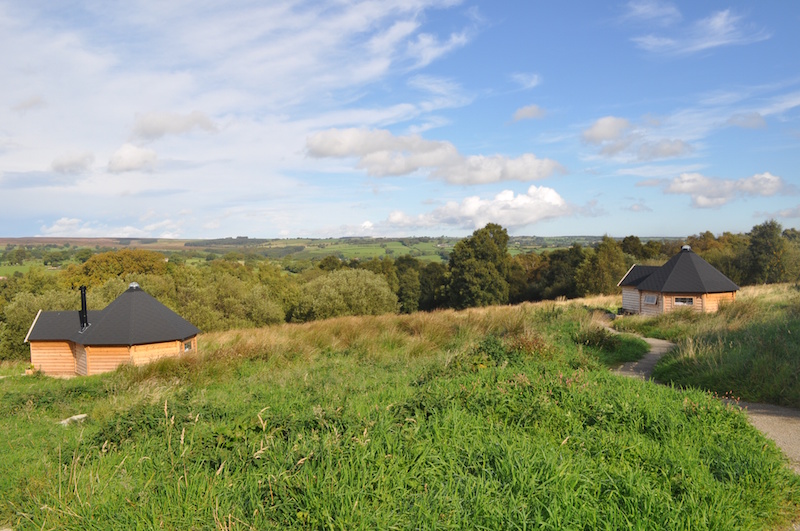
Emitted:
pixel 345 292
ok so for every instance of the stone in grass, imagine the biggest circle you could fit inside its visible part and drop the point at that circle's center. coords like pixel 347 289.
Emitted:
pixel 73 418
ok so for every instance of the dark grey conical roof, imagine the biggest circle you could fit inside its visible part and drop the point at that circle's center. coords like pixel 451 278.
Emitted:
pixel 687 272
pixel 134 318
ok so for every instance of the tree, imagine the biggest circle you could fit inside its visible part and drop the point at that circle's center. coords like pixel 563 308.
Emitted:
pixel 18 316
pixel 101 267
pixel 632 245
pixel 345 292
pixel 82 255
pixel 330 263
pixel 603 269
pixel 766 253
pixel 383 266
pixel 555 275
pixel 432 285
pixel 479 267
pixel 409 289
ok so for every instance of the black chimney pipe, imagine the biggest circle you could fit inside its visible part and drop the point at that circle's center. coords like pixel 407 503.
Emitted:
pixel 83 313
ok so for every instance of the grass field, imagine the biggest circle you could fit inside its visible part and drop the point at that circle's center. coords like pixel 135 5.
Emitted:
pixel 499 418
pixel 749 349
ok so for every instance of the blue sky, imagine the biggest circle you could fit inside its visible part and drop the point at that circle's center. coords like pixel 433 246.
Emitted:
pixel 397 117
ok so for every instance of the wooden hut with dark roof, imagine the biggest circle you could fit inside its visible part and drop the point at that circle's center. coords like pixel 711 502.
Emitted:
pixel 135 328
pixel 685 281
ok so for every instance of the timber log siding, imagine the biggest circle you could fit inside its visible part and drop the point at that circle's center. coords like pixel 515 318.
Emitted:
pixel 53 357
pixel 65 358
pixel 634 301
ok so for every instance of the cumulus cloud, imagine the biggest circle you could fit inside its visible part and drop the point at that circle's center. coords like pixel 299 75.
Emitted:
pixel 722 28
pixel 712 192
pixel 748 120
pixel 506 208
pixel 73 163
pixel 132 158
pixel 153 125
pixel 529 112
pixel 381 154
pixel 606 129
pixel 617 136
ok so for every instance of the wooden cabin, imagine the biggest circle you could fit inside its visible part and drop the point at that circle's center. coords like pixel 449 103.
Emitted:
pixel 135 328
pixel 685 281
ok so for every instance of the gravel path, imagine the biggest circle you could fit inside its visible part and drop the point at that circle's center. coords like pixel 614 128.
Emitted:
pixel 781 424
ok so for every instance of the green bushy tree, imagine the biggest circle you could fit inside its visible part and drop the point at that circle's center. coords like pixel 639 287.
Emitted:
pixel 344 292
pixel 479 267
pixel 766 252
pixel 602 269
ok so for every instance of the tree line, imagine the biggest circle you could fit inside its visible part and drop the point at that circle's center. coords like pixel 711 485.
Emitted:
pixel 220 293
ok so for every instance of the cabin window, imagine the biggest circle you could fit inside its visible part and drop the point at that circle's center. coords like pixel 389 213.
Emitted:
pixel 684 301
pixel 651 299
pixel 187 346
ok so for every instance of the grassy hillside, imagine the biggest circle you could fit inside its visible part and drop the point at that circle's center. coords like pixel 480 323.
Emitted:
pixel 501 418
pixel 750 349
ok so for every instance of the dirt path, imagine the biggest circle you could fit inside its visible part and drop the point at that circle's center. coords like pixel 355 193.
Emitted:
pixel 781 424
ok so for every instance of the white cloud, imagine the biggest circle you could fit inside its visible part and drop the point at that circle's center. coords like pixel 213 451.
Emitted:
pixel 787 213
pixel 73 163
pixel 77 228
pixel 509 210
pixel 722 28
pixel 617 136
pixel 663 149
pixel 529 112
pixel 30 104
pixel 664 13
pixel 526 80
pixel 381 154
pixel 132 158
pixel 427 48
pixel 748 120
pixel 606 129
pixel 153 125
pixel 639 207
pixel 711 192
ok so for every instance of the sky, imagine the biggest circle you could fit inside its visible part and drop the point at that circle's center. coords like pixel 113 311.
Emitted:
pixel 386 118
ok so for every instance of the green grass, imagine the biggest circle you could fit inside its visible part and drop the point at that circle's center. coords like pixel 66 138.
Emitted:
pixel 9 270
pixel 501 418
pixel 749 349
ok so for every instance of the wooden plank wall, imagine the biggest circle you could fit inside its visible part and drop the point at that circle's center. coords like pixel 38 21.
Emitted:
pixel 105 359
pixel 80 360
pixel 54 358
pixel 652 309
pixel 713 300
pixel 141 354
pixel 630 299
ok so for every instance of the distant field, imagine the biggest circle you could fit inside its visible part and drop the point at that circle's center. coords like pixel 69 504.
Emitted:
pixel 8 270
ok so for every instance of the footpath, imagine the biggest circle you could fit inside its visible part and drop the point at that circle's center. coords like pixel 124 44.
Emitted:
pixel 781 424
